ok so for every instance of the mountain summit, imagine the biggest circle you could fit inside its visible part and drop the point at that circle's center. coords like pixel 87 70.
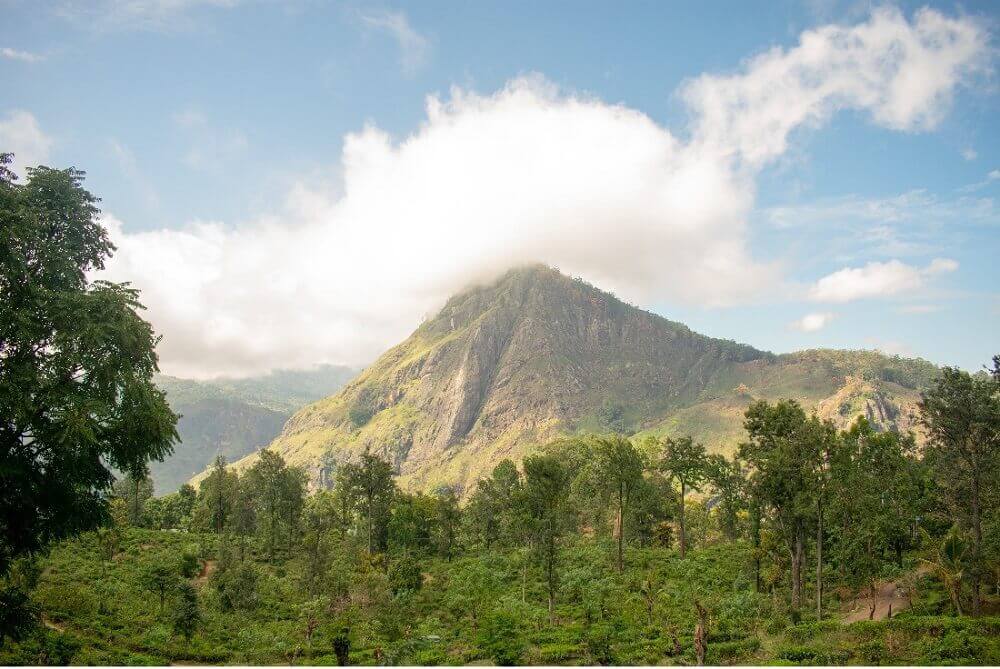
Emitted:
pixel 505 367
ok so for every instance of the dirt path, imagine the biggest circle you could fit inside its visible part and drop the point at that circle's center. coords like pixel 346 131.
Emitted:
pixel 207 569
pixel 891 597
pixel 59 627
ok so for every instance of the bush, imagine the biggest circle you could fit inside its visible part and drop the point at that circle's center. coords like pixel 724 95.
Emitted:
pixel 237 587
pixel 405 575
pixel 501 637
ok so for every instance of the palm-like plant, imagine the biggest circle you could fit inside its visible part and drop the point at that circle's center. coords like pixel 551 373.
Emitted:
pixel 948 564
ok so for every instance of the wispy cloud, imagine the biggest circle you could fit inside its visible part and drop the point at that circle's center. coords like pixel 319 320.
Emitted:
pixel 414 48
pixel 154 15
pixel 969 153
pixel 23 56
pixel 992 178
pixel 210 147
pixel 130 169
pixel 918 309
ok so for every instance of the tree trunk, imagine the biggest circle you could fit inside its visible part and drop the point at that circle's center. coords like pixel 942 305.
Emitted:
pixel 755 528
pixel 977 544
pixel 796 576
pixel 701 634
pixel 683 536
pixel 621 526
pixel 819 560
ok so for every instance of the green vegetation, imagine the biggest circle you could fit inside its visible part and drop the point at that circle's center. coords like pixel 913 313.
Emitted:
pixel 234 417
pixel 76 366
pixel 569 559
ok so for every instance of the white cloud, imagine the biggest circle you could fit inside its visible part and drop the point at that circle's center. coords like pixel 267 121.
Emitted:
pixel 526 174
pixel 413 47
pixel 23 56
pixel 812 322
pixel 969 153
pixel 21 135
pixel 876 279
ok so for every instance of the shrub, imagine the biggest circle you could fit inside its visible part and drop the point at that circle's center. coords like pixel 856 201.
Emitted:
pixel 501 637
pixel 405 575
pixel 872 652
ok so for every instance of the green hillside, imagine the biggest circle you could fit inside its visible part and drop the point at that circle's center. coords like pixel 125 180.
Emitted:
pixel 234 417
pixel 537 354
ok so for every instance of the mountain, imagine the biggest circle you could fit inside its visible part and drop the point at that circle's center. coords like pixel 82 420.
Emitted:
pixel 235 417
pixel 505 367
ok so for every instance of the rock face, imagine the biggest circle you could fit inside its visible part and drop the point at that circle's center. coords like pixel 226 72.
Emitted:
pixel 505 367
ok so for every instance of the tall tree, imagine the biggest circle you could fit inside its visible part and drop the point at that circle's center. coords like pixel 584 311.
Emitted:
pixel 619 469
pixel 135 491
pixel 76 365
pixel 216 499
pixel 961 415
pixel 448 519
pixel 371 485
pixel 783 452
pixel 872 501
pixel 277 493
pixel 728 480
pixel 546 486
pixel 685 461
pixel 490 514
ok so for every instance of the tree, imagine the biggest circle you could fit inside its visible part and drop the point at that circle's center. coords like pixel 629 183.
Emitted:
pixel 187 615
pixel 448 518
pixel 136 491
pixel 619 468
pixel 961 415
pixel 546 485
pixel 872 495
pixel 277 494
pixel 728 480
pixel 490 513
pixel 77 398
pixel 216 496
pixel 685 461
pixel 783 452
pixel 371 486
pixel 161 577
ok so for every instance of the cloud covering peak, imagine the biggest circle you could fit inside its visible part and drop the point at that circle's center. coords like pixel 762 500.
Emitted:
pixel 528 173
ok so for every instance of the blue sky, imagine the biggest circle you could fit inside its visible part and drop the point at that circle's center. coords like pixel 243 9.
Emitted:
pixel 206 125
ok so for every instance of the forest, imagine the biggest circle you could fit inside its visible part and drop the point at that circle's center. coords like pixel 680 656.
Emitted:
pixel 597 550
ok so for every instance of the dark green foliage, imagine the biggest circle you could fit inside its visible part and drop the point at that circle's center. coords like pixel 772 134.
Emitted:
pixel 76 391
pixel 276 493
pixel 370 486
pixel 962 417
pixel 237 586
pixel 186 614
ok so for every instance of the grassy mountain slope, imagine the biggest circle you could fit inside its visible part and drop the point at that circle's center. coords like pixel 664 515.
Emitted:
pixel 234 417
pixel 537 354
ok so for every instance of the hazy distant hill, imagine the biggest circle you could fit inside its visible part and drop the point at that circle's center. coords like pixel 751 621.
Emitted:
pixel 537 354
pixel 234 417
